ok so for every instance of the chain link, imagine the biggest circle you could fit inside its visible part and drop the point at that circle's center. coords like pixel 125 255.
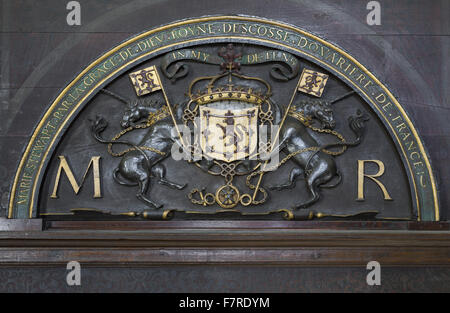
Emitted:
pixel 331 132
pixel 152 119
pixel 305 121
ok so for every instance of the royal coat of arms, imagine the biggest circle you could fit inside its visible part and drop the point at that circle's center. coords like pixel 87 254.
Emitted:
pixel 229 127
pixel 225 118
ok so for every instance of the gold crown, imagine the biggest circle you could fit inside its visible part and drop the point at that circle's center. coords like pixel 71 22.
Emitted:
pixel 229 91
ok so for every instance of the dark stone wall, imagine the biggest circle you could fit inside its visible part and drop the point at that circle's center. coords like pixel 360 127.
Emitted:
pixel 225 279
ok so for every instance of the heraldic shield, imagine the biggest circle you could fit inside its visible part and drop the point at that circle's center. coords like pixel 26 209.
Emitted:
pixel 228 130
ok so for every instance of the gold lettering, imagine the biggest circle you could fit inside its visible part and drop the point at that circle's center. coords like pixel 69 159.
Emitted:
pixel 332 56
pixel 401 127
pixel 411 145
pixel 66 104
pixel 132 50
pixel 174 34
pixel 142 45
pixel 252 58
pixel 191 31
pixel 405 136
pixel 64 166
pixel 422 182
pixel 195 55
pixel 315 45
pixel 123 55
pixel 383 99
pixel 210 29
pixel 201 28
pixel 360 78
pixel 279 36
pixel 414 153
pixel 88 82
pixel 227 28
pixel 340 62
pixel 348 66
pixel 302 45
pixel 386 105
pixel 368 84
pixel 183 32
pixel 352 71
pixel 57 115
pixel 361 176
pixel 260 32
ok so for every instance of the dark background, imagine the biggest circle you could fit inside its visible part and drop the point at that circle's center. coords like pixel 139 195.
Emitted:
pixel 255 279
pixel 408 52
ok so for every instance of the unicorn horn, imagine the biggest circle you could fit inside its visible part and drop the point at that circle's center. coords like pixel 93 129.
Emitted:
pixel 342 97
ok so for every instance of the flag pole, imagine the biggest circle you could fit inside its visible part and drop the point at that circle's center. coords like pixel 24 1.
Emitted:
pixel 170 108
pixel 276 138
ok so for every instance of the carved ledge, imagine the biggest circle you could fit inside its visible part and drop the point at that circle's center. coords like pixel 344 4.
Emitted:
pixel 227 243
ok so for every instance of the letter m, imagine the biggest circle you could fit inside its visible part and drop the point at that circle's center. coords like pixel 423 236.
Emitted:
pixel 64 166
